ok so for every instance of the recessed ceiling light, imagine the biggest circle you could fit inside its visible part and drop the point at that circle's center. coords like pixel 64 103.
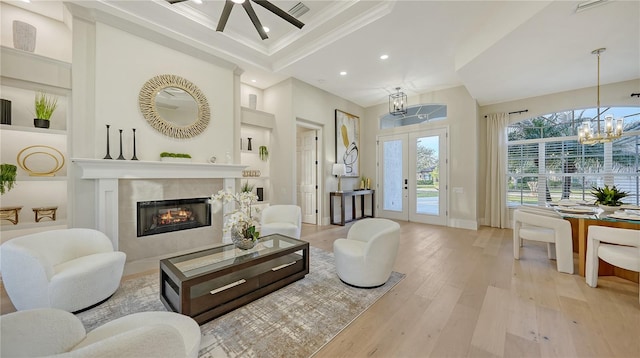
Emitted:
pixel 254 81
pixel 343 73
pixel 266 29
pixel 199 2
pixel 27 1
pixel 384 57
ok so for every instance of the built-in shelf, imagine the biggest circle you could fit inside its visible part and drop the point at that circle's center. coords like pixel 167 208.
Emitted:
pixel 41 178
pixel 32 225
pixel 8 127
pixel 257 118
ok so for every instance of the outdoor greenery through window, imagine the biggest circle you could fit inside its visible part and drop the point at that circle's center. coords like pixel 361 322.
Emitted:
pixel 546 162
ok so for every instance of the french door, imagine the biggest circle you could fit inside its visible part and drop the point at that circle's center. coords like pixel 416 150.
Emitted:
pixel 412 174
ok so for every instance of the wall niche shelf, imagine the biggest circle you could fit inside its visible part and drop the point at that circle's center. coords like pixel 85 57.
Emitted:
pixel 256 125
pixel 23 75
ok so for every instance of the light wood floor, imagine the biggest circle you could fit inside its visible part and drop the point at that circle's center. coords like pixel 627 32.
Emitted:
pixel 465 296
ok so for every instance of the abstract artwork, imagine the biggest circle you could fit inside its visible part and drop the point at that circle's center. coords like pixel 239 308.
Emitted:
pixel 348 142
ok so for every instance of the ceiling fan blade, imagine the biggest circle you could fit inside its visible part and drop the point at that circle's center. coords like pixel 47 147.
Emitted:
pixel 175 1
pixel 254 18
pixel 225 15
pixel 283 14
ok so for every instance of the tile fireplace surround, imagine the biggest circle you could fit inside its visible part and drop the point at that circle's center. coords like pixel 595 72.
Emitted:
pixel 121 184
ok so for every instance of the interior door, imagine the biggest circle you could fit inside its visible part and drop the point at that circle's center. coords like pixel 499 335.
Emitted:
pixel 307 174
pixel 412 173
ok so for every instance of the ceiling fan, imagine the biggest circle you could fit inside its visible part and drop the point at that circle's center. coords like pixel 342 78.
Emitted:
pixel 246 4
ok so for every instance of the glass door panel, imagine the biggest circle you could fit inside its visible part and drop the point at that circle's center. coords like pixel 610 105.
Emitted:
pixel 393 172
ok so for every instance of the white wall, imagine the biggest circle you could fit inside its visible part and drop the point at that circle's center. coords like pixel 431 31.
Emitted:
pixel 294 100
pixel 110 68
pixel 53 38
pixel 124 63
pixel 615 94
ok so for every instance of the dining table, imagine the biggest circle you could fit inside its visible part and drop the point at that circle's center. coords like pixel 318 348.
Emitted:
pixel 582 215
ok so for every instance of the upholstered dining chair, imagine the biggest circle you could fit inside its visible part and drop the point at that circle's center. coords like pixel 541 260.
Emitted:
pixel 366 257
pixel 619 247
pixel 69 269
pixel 544 226
pixel 52 332
pixel 281 219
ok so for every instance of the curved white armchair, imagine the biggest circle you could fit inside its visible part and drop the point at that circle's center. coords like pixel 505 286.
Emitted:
pixel 69 269
pixel 56 333
pixel 366 257
pixel 619 247
pixel 545 226
pixel 281 219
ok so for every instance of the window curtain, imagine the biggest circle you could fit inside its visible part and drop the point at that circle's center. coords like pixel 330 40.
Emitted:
pixel 496 213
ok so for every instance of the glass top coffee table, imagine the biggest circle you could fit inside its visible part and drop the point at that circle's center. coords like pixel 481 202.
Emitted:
pixel 209 283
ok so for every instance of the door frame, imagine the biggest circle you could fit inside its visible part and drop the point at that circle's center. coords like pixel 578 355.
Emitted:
pixel 320 167
pixel 407 132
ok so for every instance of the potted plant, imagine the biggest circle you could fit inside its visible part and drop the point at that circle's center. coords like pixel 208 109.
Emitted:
pixel 246 188
pixel 175 157
pixel 608 198
pixel 263 152
pixel 7 177
pixel 44 107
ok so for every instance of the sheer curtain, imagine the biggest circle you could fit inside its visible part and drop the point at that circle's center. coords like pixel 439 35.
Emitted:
pixel 496 213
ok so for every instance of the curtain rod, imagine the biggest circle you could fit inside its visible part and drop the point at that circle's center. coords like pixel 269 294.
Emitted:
pixel 526 110
pixel 635 94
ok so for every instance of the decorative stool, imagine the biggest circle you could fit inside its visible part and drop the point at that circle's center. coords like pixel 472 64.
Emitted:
pixel 10 213
pixel 45 212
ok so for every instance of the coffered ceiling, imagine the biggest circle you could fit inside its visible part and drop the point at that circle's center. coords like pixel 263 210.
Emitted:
pixel 499 50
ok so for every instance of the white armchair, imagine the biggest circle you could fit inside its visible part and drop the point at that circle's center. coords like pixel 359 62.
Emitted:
pixel 281 219
pixel 366 257
pixel 619 247
pixel 56 333
pixel 545 226
pixel 69 269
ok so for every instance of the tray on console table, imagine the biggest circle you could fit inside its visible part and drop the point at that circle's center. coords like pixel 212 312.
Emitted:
pixel 209 283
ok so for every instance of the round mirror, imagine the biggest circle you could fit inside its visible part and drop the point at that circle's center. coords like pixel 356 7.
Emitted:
pixel 174 106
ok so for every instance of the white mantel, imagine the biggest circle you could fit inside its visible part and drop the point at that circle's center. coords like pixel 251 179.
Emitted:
pixel 107 172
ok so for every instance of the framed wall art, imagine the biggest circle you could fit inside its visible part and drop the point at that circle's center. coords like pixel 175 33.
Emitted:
pixel 348 142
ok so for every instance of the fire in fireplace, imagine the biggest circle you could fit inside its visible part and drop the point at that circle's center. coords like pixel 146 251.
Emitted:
pixel 157 217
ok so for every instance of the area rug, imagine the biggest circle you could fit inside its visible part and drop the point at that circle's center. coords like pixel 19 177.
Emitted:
pixel 295 321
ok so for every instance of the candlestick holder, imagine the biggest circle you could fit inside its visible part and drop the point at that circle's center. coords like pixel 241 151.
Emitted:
pixel 108 156
pixel 121 157
pixel 134 145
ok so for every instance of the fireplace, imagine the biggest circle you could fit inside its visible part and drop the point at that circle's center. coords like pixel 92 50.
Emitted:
pixel 161 216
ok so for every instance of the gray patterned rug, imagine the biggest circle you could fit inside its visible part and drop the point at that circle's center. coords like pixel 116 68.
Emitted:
pixel 295 321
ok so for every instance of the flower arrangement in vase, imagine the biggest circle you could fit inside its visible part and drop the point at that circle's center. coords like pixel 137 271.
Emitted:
pixel 240 223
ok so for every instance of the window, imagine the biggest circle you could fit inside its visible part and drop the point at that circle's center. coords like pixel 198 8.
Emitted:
pixel 546 162
pixel 415 115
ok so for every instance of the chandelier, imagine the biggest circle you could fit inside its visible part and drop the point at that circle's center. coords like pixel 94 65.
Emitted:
pixel 397 102
pixel 611 130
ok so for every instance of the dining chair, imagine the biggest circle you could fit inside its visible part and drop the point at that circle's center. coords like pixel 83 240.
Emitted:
pixel 617 246
pixel 544 226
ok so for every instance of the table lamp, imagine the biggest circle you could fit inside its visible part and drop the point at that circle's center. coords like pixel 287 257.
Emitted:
pixel 339 170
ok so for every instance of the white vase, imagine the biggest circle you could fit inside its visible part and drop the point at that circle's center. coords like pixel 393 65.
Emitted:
pixel 608 208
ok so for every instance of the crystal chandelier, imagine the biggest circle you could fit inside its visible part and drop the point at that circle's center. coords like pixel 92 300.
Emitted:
pixel 397 102
pixel 611 130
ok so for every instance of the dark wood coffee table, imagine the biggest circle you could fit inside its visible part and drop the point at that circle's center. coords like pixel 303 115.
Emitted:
pixel 209 283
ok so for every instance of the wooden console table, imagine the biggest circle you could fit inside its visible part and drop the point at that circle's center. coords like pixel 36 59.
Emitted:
pixel 352 194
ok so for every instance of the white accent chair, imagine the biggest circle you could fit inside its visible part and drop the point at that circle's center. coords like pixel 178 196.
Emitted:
pixel 69 269
pixel 619 247
pixel 56 333
pixel 281 219
pixel 366 257
pixel 544 226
